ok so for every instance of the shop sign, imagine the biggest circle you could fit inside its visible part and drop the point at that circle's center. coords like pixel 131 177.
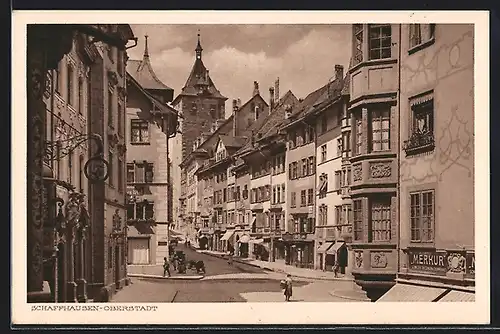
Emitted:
pixel 428 261
pixel 470 262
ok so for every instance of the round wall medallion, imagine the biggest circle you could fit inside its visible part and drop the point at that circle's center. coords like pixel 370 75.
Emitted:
pixel 96 169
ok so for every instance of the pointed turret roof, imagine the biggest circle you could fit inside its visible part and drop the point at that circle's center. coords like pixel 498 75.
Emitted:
pixel 200 76
pixel 142 72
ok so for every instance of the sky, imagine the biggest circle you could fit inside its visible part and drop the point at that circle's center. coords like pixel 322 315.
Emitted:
pixel 302 56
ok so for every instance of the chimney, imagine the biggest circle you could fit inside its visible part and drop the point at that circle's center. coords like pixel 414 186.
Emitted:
pixel 255 88
pixel 339 72
pixel 238 103
pixel 271 98
pixel 277 90
pixel 235 121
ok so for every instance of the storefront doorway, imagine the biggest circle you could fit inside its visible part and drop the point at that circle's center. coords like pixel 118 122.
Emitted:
pixel 343 258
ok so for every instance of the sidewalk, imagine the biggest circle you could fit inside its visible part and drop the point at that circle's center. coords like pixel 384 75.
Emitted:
pixel 282 268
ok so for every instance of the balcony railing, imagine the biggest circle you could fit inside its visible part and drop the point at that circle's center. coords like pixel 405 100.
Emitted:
pixel 418 143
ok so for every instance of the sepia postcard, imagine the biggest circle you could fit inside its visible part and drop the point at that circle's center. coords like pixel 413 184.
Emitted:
pixel 250 167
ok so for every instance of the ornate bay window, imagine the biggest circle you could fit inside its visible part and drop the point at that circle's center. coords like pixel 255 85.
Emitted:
pixel 380 219
pixel 357 220
pixel 358 43
pixel 380 41
pixel 380 129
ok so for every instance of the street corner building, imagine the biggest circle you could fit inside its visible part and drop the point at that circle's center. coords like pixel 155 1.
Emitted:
pixel 412 161
pixel 436 165
pixel 151 122
pixel 76 109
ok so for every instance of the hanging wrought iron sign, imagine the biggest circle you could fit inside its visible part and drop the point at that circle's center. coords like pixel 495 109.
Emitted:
pixel 96 169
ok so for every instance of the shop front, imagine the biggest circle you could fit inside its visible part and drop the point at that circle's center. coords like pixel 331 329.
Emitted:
pixel 228 241
pixel 261 249
pixel 299 249
pixel 429 275
pixel 326 260
pixel 279 250
pixel 242 247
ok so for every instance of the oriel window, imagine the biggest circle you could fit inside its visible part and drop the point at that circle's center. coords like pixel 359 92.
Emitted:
pixel 357 220
pixel 380 124
pixel 380 41
pixel 358 43
pixel 380 220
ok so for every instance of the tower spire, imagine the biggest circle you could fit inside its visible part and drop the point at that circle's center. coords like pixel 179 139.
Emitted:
pixel 146 51
pixel 198 49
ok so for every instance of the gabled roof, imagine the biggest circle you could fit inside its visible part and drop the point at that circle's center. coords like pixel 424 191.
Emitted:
pixel 265 124
pixel 142 72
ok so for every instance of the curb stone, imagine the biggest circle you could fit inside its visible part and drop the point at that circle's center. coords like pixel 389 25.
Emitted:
pixel 185 278
pixel 279 270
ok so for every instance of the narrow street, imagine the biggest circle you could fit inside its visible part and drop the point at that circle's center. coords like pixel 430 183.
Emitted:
pixel 226 283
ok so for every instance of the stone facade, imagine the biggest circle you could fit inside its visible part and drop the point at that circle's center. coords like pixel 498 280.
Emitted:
pixel 74 97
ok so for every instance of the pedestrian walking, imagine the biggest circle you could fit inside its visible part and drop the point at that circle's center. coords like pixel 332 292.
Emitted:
pixel 230 258
pixel 336 269
pixel 288 287
pixel 166 267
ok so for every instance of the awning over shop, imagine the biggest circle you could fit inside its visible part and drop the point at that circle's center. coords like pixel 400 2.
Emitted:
pixel 411 293
pixel 244 239
pixel 459 296
pixel 324 247
pixel 334 249
pixel 227 235
pixel 256 241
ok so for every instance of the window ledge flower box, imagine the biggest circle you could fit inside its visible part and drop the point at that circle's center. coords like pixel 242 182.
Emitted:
pixel 419 143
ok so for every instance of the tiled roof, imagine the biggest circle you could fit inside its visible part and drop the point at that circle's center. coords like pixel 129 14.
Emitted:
pixel 347 82
pixel 264 125
pixel 198 72
pixel 233 142
pixel 142 72
pixel 278 115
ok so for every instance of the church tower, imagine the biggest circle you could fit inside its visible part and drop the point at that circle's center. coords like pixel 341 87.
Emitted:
pixel 199 102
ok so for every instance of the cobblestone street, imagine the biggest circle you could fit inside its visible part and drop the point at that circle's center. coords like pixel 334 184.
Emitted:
pixel 227 283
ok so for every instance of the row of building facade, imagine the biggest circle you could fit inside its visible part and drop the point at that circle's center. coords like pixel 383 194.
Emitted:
pixel 373 171
pixel 78 98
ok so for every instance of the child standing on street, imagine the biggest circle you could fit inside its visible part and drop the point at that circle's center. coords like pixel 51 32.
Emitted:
pixel 288 287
